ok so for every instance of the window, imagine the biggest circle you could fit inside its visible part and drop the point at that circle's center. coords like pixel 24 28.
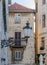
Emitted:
pixel 43 21
pixel 42 43
pixel 17 18
pixel 9 1
pixel 18 37
pixel 43 1
pixel 36 7
pixel 18 55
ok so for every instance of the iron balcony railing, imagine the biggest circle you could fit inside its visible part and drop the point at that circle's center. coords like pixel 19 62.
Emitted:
pixel 14 42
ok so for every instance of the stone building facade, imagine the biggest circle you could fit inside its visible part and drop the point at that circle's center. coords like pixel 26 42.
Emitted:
pixel 41 23
pixel 18 17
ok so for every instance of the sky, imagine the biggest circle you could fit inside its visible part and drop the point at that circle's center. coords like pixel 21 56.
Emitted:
pixel 27 3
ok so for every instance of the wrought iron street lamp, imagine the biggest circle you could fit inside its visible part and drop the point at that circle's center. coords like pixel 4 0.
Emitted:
pixel 27 31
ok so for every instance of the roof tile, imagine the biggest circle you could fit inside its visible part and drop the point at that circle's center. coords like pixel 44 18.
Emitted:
pixel 17 6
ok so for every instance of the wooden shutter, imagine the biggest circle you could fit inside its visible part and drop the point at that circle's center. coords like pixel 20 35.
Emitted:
pixel 18 37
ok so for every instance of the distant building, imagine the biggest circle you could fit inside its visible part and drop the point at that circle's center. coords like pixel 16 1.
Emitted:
pixel 41 30
pixel 22 52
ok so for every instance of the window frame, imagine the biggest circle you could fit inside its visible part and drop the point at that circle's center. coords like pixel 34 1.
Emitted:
pixel 43 21
pixel 18 38
pixel 9 1
pixel 43 42
pixel 43 2
pixel 20 56
pixel 17 35
pixel 17 18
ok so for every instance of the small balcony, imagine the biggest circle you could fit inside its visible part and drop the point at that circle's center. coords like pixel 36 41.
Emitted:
pixel 16 43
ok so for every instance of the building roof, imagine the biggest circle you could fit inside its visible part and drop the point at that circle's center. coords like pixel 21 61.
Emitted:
pixel 19 8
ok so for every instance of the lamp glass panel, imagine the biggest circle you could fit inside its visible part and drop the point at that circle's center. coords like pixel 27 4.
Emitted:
pixel 27 32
